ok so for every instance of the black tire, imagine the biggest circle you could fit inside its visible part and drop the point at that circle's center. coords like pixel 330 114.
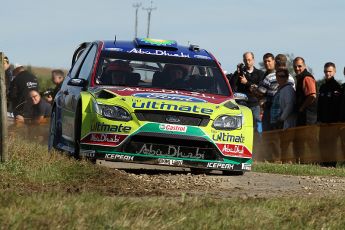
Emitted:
pixel 233 173
pixel 198 171
pixel 53 131
pixel 77 133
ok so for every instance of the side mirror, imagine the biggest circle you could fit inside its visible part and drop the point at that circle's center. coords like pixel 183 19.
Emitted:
pixel 240 98
pixel 78 82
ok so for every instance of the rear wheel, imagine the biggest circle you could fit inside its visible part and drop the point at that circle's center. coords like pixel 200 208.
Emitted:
pixel 52 140
pixel 77 133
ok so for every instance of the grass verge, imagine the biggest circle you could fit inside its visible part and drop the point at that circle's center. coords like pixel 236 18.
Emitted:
pixel 31 169
pixel 51 191
pixel 92 211
pixel 299 169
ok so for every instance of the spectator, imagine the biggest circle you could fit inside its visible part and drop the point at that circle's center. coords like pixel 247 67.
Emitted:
pixel 57 78
pixel 306 101
pixel 40 108
pixel 269 86
pixel 342 116
pixel 283 108
pixel 328 112
pixel 8 79
pixel 285 100
pixel 342 103
pixel 306 105
pixel 246 80
pixel 22 83
pixel 329 96
pixel 269 63
pixel 8 73
pixel 281 63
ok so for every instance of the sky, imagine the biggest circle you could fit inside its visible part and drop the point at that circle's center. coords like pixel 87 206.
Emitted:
pixel 45 33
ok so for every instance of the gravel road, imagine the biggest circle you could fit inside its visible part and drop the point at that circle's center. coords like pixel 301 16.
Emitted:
pixel 169 181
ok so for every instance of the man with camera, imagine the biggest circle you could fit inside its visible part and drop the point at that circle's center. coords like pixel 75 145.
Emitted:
pixel 246 80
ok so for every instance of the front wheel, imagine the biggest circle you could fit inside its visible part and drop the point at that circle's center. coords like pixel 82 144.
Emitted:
pixel 198 171
pixel 233 173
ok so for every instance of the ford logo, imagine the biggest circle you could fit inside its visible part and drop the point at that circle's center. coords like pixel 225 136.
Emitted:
pixel 172 119
pixel 166 96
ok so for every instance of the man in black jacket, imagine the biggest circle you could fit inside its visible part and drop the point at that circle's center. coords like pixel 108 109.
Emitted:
pixel 245 80
pixel 342 116
pixel 329 96
pixel 23 82
pixel 328 112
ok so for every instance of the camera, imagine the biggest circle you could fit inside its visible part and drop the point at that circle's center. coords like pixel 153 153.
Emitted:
pixel 241 68
pixel 48 92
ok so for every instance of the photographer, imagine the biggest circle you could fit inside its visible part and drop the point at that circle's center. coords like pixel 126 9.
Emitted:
pixel 40 108
pixel 245 80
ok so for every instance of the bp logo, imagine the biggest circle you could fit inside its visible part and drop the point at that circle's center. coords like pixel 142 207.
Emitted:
pixel 171 97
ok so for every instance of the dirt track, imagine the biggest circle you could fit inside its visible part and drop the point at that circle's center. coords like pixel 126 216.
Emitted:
pixel 258 185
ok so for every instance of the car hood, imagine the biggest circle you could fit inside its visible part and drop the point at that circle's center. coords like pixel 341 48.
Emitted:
pixel 165 94
pixel 167 100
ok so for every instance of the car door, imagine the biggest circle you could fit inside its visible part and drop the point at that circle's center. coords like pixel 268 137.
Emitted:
pixel 76 82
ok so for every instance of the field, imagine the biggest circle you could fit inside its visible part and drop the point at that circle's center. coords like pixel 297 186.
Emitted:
pixel 40 190
pixel 44 76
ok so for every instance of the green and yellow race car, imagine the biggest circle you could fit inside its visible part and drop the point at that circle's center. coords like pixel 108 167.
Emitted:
pixel 151 101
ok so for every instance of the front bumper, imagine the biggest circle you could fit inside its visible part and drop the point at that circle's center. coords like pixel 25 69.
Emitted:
pixel 168 150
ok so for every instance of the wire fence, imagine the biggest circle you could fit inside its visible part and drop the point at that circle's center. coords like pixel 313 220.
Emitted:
pixel 307 144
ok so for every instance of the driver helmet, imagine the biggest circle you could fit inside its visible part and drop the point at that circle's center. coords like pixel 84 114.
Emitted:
pixel 117 72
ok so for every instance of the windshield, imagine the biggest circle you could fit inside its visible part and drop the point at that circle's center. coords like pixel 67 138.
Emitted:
pixel 163 72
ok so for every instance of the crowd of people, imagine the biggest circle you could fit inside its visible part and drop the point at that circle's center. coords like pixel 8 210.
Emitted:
pixel 26 101
pixel 281 101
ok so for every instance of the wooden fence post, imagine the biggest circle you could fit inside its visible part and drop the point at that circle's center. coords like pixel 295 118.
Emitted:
pixel 3 112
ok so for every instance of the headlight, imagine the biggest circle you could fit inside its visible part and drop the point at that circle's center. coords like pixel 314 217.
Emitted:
pixel 228 122
pixel 113 112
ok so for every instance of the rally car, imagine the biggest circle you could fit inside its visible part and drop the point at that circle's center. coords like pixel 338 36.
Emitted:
pixel 151 101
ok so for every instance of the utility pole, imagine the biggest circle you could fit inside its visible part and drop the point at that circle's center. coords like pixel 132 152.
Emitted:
pixel 3 112
pixel 149 10
pixel 136 6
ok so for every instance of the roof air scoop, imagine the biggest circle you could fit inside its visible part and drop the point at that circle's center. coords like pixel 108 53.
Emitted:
pixel 156 43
